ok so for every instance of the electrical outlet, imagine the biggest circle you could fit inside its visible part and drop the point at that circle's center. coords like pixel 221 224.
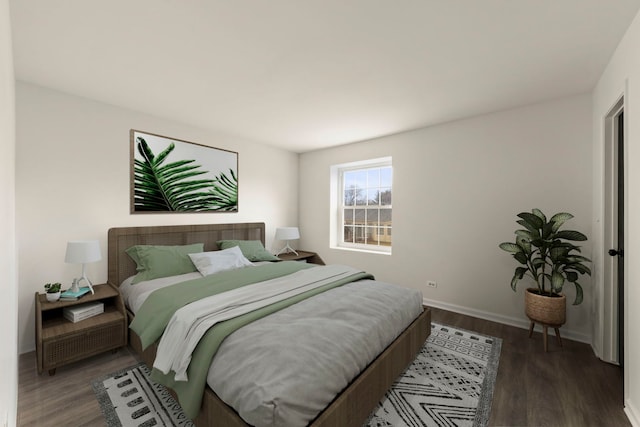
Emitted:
pixel 432 284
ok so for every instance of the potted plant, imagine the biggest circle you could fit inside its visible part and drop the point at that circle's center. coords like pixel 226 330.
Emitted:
pixel 545 254
pixel 53 291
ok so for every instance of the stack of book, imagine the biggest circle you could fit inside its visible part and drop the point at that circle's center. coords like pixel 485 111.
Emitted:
pixel 82 311
pixel 68 295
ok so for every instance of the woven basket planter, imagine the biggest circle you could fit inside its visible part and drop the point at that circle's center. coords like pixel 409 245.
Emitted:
pixel 546 310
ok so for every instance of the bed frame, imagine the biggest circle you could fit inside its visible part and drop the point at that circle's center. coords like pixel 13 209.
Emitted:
pixel 350 408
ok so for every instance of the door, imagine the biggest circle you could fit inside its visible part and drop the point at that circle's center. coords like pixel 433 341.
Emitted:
pixel 613 296
pixel 619 250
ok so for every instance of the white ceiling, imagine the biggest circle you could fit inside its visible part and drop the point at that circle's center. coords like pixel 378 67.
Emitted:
pixel 304 75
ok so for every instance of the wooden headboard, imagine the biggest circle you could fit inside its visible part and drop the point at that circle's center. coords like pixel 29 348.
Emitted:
pixel 122 266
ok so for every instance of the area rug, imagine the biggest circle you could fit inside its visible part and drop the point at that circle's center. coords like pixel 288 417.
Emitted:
pixel 450 383
pixel 129 398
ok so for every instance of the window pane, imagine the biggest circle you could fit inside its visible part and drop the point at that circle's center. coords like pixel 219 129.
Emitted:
pixel 372 217
pixel 373 197
pixel 385 217
pixel 348 234
pixel 372 235
pixel 373 178
pixel 359 217
pixel 385 177
pixel 361 197
pixel 359 235
pixel 385 236
pixel 349 180
pixel 356 179
pixel 385 196
pixel 348 216
pixel 349 197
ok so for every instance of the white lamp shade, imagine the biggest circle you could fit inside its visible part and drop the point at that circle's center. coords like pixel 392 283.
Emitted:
pixel 287 233
pixel 82 251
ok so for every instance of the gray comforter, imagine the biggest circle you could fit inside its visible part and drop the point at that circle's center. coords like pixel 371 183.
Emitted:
pixel 287 367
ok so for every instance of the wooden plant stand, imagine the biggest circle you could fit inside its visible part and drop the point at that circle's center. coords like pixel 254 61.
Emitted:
pixel 545 328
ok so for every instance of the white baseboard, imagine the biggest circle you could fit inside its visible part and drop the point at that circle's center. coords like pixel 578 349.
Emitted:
pixel 505 320
pixel 632 413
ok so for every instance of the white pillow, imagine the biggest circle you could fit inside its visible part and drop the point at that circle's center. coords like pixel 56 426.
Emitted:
pixel 209 263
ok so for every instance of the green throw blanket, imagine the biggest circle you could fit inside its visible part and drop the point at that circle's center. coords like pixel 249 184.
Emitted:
pixel 157 310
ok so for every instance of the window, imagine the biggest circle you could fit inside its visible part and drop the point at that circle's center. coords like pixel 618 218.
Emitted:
pixel 363 191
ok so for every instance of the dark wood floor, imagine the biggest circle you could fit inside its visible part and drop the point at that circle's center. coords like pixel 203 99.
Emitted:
pixel 66 398
pixel 565 387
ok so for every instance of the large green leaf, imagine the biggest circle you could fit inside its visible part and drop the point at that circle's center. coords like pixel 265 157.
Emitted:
pixel 557 281
pixel 521 257
pixel 168 187
pixel 580 268
pixel 518 274
pixel 559 219
pixel 529 227
pixel 538 242
pixel 567 245
pixel 547 229
pixel 525 244
pixel 510 247
pixel 539 214
pixel 579 294
pixel 576 259
pixel 557 253
pixel 525 234
pixel 572 276
pixel 224 194
pixel 532 220
pixel 570 235
pixel 514 282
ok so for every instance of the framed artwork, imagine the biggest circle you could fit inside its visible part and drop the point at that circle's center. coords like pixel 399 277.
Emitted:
pixel 169 175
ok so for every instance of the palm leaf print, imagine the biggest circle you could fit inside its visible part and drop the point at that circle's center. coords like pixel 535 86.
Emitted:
pixel 225 192
pixel 160 186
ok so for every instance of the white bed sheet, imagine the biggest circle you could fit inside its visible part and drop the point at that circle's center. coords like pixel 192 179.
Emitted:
pixel 135 295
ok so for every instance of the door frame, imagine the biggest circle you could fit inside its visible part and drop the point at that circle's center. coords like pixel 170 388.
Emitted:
pixel 609 301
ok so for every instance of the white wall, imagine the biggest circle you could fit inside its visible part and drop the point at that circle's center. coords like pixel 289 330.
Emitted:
pixel 8 278
pixel 457 190
pixel 72 182
pixel 622 77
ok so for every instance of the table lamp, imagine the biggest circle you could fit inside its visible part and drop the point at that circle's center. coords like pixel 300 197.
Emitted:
pixel 82 252
pixel 287 233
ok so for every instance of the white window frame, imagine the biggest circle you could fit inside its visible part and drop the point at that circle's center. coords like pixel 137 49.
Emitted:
pixel 337 207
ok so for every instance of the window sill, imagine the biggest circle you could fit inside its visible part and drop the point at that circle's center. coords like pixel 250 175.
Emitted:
pixel 368 251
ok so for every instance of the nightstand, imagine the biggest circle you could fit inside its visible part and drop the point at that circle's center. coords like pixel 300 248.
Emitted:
pixel 311 257
pixel 60 341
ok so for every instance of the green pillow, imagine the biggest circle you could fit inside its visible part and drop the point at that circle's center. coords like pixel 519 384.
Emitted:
pixel 251 249
pixel 162 261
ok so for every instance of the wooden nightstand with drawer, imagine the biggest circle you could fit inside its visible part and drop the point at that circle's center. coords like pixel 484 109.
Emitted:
pixel 60 341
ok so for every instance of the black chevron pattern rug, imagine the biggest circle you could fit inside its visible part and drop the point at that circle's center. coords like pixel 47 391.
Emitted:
pixel 450 383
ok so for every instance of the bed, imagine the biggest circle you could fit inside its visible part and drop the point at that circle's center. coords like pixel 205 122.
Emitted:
pixel 350 407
